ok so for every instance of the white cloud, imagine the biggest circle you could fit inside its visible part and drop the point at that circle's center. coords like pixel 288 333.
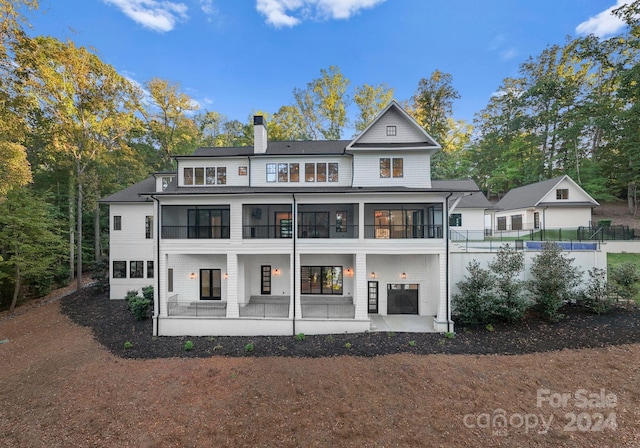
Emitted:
pixel 509 53
pixel 207 7
pixel 157 15
pixel 289 13
pixel 603 23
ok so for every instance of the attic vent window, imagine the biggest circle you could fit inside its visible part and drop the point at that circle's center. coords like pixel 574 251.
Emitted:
pixel 391 131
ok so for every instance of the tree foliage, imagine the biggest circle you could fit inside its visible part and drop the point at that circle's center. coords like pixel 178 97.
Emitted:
pixel 30 245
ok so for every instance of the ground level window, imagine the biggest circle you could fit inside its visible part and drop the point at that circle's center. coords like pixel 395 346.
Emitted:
pixel 119 269
pixel 502 223
pixel 150 269
pixel 455 220
pixel 136 269
pixel 325 280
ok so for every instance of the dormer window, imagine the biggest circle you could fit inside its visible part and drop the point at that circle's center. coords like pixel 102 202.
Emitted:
pixel 391 131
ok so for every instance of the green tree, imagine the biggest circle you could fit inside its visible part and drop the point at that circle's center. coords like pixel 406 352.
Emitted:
pixel 29 244
pixel 170 131
pixel 88 105
pixel 323 104
pixel 432 104
pixel 370 101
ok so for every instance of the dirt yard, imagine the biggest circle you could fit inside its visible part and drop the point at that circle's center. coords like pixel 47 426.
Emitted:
pixel 60 388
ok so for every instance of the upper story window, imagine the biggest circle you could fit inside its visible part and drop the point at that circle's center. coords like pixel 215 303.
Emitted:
pixel 333 172
pixel 166 180
pixel 397 167
pixel 386 163
pixel 271 172
pixel 117 223
pixel 562 193
pixel 309 172
pixel 210 175
pixel 148 227
pixel 283 172
pixel 321 172
pixel 391 131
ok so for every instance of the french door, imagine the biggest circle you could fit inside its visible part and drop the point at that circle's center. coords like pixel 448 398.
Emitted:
pixel 210 284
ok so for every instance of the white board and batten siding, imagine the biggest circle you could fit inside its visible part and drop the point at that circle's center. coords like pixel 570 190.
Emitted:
pixel 129 244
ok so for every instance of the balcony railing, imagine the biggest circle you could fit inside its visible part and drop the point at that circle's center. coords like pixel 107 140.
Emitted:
pixel 306 231
pixel 402 232
pixel 177 307
pixel 196 232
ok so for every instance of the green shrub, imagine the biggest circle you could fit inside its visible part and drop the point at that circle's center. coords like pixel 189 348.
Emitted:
pixel 472 303
pixel 188 346
pixel 147 292
pixel 300 337
pixel 597 296
pixel 449 335
pixel 604 222
pixel 347 345
pixel 249 347
pixel 553 279
pixel 412 343
pixel 138 306
pixel 128 345
pixel 624 281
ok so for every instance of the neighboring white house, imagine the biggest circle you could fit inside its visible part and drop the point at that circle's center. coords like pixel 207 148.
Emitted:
pixel 467 215
pixel 291 237
pixel 550 204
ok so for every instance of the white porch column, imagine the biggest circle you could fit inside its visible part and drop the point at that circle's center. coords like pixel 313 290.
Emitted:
pixel 232 285
pixel 360 295
pixel 442 321
pixel 361 221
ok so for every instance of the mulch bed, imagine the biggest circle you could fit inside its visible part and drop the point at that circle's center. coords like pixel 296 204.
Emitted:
pixel 113 325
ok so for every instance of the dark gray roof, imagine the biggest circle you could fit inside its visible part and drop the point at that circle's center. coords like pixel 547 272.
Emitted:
pixel 132 193
pixel 293 147
pixel 531 195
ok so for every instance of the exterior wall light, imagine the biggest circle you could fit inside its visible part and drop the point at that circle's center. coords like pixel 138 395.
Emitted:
pixel 349 272
pixel 373 274
pixel 403 275
pixel 192 276
pixel 276 271
pixel 226 275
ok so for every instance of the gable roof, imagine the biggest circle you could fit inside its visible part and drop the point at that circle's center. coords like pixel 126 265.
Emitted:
pixel 532 195
pixel 132 193
pixel 424 141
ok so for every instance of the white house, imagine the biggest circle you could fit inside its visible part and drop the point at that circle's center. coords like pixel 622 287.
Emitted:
pixel 551 204
pixel 291 237
pixel 467 215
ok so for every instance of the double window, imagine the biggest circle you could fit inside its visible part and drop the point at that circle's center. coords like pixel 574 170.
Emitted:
pixel 313 172
pixel 391 167
pixel 325 280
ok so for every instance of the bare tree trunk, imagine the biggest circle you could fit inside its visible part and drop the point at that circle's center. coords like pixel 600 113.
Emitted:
pixel 72 242
pixel 96 230
pixel 16 290
pixel 631 187
pixel 79 229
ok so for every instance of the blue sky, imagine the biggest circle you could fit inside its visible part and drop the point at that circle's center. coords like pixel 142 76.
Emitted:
pixel 239 56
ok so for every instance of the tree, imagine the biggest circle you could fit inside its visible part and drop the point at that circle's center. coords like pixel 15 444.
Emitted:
pixel 30 247
pixel 433 103
pixel 89 106
pixel 323 104
pixel 370 101
pixel 15 170
pixel 170 131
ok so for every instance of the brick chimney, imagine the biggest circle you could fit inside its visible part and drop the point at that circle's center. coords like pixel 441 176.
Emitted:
pixel 259 135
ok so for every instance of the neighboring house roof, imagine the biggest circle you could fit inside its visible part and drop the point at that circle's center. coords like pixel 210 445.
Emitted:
pixel 475 200
pixel 532 195
pixel 132 193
